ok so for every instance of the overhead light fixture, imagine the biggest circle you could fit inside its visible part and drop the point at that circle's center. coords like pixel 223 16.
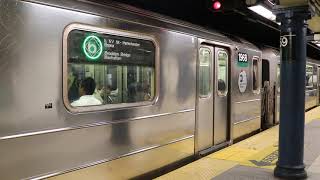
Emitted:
pixel 263 11
pixel 316 38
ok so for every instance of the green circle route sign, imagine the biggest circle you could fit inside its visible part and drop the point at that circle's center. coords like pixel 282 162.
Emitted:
pixel 92 47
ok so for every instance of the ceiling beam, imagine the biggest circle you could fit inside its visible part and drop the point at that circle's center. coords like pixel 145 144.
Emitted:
pixel 290 3
pixel 314 24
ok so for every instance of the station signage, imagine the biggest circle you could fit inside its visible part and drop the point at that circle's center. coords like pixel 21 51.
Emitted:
pixel 99 48
pixel 92 47
pixel 242 59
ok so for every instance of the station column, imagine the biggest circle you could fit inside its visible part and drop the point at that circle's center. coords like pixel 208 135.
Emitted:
pixel 292 84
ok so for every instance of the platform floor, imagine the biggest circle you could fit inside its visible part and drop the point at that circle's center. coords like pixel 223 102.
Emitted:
pixel 253 158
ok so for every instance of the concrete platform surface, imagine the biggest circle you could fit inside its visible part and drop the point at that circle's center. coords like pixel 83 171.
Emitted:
pixel 253 158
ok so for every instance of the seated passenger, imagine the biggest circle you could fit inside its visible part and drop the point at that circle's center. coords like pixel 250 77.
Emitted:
pixel 86 90
pixel 221 85
pixel 99 93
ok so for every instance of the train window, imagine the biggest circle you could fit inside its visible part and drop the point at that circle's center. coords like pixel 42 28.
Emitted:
pixel 222 72
pixel 309 77
pixel 315 81
pixel 255 75
pixel 278 78
pixel 205 58
pixel 107 69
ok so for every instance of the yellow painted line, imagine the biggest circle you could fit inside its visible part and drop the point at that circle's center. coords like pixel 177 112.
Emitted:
pixel 262 159
pixel 235 154
pixel 313 114
pixel 260 141
pixel 203 169
pixel 266 158
pixel 250 150
pixel 261 149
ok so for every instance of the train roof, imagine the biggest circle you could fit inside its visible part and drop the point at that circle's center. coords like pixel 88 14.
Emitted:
pixel 111 9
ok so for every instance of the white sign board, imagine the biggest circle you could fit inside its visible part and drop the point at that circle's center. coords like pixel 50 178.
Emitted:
pixel 242 81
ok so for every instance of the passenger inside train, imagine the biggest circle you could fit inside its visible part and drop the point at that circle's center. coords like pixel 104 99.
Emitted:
pixel 86 90
pixel 113 84
pixel 73 85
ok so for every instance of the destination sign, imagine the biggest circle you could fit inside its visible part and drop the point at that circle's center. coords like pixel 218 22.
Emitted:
pixel 104 48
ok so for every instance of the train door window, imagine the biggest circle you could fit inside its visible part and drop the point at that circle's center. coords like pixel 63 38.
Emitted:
pixel 104 70
pixel 265 72
pixel 278 78
pixel 222 72
pixel 315 81
pixel 205 59
pixel 255 75
pixel 309 77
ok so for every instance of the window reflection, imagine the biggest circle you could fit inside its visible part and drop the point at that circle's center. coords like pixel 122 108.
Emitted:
pixel 205 72
pixel 255 75
pixel 109 69
pixel 113 83
pixel 278 78
pixel 309 76
pixel 222 72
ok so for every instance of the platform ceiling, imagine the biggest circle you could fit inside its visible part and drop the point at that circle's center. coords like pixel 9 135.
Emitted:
pixel 314 24
pixel 240 22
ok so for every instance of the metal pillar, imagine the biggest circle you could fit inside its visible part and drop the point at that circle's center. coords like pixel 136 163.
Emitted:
pixel 292 84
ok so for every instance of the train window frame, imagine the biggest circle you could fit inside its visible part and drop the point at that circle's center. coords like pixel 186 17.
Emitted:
pixel 115 32
pixel 225 92
pixel 258 78
pixel 208 95
pixel 278 77
pixel 312 83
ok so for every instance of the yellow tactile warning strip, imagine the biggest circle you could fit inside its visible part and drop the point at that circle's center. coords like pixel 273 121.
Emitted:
pixel 205 168
pixel 313 114
pixel 257 151
pixel 260 151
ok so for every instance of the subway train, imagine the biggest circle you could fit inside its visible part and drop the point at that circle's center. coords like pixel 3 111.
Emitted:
pixel 86 84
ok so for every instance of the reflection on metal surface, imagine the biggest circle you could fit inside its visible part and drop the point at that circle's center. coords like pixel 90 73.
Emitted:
pixel 246 105
pixel 170 153
pixel 133 140
pixel 251 100
pixel 204 120
pixel 246 127
pixel 257 117
pixel 89 125
pixel 221 98
pixel 50 135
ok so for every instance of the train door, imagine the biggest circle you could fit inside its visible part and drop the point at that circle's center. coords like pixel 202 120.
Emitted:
pixel 265 71
pixel 204 131
pixel 221 96
pixel 267 113
pixel 212 100
pixel 318 84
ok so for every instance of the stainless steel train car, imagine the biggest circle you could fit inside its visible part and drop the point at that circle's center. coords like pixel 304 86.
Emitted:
pixel 271 74
pixel 86 83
